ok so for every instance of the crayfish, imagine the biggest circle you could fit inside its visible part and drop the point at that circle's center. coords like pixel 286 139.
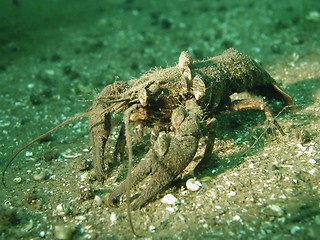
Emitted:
pixel 178 105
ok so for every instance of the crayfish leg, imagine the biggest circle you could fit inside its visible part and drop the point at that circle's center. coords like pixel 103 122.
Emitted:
pixel 99 128
pixel 140 172
pixel 253 104
pixel 168 156
pixel 209 142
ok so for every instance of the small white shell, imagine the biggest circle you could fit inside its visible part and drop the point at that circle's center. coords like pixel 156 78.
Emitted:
pixel 113 218
pixel 17 180
pixel 193 185
pixel 86 150
pixel 169 199
pixel 70 156
pixel 60 210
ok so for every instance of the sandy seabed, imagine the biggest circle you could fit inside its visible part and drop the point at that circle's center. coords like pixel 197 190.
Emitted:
pixel 55 54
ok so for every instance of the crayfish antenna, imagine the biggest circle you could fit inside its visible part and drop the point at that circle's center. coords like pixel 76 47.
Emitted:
pixel 69 120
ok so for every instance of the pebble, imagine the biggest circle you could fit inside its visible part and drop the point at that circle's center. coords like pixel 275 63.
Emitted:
pixel 231 194
pixel 29 226
pixel 273 210
pixel 80 218
pixel 313 16
pixel 42 234
pixel 236 218
pixel 170 209
pixel 193 185
pixel 64 232
pixel 98 200
pixel 169 199
pixel 84 176
pixel 213 194
pixel 85 192
pixel 50 155
pixel 295 229
pixel 152 228
pixel 40 176
pixel 50 72
pixel 312 171
pixel 28 154
pixel 312 161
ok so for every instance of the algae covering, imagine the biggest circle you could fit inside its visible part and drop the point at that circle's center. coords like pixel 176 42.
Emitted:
pixel 55 54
